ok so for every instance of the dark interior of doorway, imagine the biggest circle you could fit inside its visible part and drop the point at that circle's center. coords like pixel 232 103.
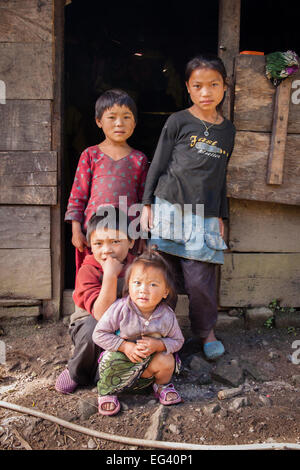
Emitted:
pixel 142 47
pixel 135 46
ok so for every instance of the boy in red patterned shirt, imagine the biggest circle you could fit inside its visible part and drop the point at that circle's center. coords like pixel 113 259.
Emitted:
pixel 108 170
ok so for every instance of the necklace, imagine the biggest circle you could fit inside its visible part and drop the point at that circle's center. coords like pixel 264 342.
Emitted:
pixel 206 133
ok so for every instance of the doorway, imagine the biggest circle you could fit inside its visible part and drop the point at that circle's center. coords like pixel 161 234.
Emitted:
pixel 140 47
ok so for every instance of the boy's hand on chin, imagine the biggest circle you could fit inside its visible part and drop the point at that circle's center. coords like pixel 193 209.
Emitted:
pixel 111 266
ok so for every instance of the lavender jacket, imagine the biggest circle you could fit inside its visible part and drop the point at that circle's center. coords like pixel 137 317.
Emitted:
pixel 123 317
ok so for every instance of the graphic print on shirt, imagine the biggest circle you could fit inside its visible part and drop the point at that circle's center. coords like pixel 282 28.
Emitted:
pixel 207 147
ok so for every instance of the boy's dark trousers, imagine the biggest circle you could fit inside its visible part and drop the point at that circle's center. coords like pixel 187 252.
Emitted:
pixel 83 365
pixel 197 279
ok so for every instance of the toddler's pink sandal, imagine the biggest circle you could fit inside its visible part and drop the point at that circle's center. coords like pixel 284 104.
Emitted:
pixel 108 399
pixel 161 392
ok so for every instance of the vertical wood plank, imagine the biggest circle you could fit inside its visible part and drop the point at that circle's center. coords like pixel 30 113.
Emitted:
pixel 52 308
pixel 279 133
pixel 229 32
pixel 229 44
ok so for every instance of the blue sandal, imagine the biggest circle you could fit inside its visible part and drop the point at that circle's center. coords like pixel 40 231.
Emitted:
pixel 213 350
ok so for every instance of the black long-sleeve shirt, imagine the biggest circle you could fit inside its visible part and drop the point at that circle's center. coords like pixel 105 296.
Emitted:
pixel 189 168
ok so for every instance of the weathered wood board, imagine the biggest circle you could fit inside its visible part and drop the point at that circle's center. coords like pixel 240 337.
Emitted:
pixel 25 125
pixel 24 227
pixel 17 312
pixel 248 166
pixel 279 132
pixel 25 273
pixel 26 20
pixel 264 227
pixel 229 32
pixel 229 44
pixel 254 97
pixel 5 302
pixel 256 279
pixel 28 178
pixel 68 306
pixel 26 70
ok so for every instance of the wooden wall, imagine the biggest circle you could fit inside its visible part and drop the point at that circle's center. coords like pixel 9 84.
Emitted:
pixel 263 262
pixel 28 160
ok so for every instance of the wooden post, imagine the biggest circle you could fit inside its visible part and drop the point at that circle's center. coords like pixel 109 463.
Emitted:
pixel 52 308
pixel 229 44
pixel 279 132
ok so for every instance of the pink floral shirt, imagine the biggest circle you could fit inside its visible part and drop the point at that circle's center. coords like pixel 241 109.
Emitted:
pixel 100 180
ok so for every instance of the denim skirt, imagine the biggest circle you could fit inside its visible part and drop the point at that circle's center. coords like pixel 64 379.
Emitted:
pixel 181 232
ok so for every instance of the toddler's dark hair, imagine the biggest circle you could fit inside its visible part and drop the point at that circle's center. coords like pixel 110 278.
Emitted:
pixel 151 258
pixel 108 217
pixel 111 97
pixel 207 61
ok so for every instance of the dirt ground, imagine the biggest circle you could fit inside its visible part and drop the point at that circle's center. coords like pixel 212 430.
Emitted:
pixel 267 410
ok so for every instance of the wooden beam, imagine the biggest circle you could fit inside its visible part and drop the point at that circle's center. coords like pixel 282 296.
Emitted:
pixel 17 312
pixel 279 132
pixel 229 32
pixel 53 307
pixel 5 302
pixel 229 44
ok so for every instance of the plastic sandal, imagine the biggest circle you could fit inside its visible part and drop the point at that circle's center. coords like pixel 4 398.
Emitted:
pixel 108 399
pixel 213 350
pixel 64 383
pixel 162 394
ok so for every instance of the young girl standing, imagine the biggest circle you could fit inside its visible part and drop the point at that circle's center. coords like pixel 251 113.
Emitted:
pixel 108 170
pixel 189 167
pixel 139 333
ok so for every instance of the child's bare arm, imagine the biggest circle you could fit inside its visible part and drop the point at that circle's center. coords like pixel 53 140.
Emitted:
pixel 146 220
pixel 78 238
pixel 108 293
pixel 221 226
